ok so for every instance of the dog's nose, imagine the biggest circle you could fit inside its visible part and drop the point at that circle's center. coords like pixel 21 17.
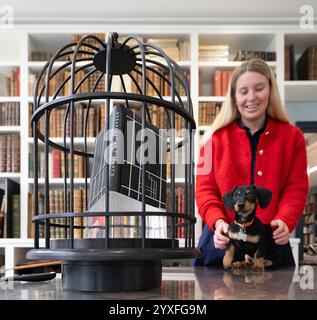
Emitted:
pixel 240 206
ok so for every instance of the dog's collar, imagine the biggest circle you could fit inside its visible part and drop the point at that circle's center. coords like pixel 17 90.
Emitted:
pixel 244 225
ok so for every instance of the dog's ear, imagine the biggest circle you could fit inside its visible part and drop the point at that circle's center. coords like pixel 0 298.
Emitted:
pixel 227 199
pixel 264 196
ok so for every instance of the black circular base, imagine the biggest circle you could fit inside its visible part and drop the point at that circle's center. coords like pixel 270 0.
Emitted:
pixel 124 266
pixel 112 276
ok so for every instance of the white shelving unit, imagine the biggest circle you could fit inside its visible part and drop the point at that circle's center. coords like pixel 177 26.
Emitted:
pixel 300 90
pixel 14 251
pixel 22 39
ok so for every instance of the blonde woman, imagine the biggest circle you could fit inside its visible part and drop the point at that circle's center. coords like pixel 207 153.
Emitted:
pixel 251 142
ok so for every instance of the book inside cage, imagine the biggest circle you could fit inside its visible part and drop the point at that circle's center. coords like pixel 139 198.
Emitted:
pixel 122 147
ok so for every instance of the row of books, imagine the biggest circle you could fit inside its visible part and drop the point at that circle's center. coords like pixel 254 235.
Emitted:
pixel 311 204
pixel 180 207
pixel 126 227
pixel 9 114
pixel 43 55
pixel 96 120
pixel 310 219
pixel 87 85
pixel 9 153
pixel 11 83
pixel 214 53
pixel 57 205
pixel 56 165
pixel 159 119
pixel 95 43
pixel 244 55
pixel 309 238
pixel 158 82
pixel 38 55
pixel 220 79
pixel 175 48
pixel 156 226
pixel 120 226
pixel 10 209
pixel 208 112
pixel 309 228
pixel 306 69
pixel 215 83
pixel 13 230
pixel 221 53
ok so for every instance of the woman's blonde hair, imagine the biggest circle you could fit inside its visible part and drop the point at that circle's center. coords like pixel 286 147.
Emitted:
pixel 229 112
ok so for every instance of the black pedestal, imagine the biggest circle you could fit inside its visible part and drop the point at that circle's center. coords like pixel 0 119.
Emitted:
pixel 112 276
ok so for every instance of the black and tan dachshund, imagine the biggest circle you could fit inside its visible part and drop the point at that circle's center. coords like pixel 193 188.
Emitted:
pixel 247 233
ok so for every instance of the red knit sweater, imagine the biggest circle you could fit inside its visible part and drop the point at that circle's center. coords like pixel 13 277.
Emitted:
pixel 281 166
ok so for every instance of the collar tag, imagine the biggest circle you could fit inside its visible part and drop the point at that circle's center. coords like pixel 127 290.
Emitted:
pixel 242 230
pixel 242 235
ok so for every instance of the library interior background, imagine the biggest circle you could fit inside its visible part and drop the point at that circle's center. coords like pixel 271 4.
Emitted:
pixel 207 45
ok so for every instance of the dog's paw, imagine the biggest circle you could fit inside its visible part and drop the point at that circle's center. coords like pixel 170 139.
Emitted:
pixel 239 265
pixel 226 264
pixel 268 263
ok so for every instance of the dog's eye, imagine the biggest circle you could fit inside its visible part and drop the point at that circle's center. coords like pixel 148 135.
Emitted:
pixel 235 196
pixel 250 196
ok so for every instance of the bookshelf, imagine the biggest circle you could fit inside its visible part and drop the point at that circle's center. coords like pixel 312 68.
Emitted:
pixel 28 46
pixel 295 89
pixel 310 215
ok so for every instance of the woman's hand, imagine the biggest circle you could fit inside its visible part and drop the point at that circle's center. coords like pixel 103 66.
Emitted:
pixel 220 241
pixel 281 233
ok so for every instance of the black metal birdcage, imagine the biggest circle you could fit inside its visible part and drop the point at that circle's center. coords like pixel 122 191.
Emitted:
pixel 113 233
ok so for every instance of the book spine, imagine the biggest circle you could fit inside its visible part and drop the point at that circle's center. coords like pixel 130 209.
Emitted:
pixel 302 66
pixel 217 83
pixel 116 149
pixel 15 205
